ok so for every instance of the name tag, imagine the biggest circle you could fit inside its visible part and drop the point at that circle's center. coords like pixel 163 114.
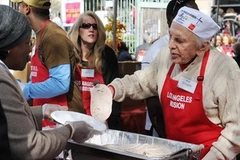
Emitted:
pixel 87 73
pixel 187 85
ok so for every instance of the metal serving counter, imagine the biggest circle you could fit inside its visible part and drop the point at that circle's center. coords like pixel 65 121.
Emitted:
pixel 101 147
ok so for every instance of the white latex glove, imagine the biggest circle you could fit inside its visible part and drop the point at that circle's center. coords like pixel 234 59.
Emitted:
pixel 101 102
pixel 47 109
pixel 81 131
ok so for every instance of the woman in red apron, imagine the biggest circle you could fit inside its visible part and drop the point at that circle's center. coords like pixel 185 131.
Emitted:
pixel 98 62
pixel 86 82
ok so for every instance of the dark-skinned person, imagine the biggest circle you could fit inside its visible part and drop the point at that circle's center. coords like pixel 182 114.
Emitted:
pixel 26 138
pixel 198 87
pixel 155 122
pixel 53 61
pixel 98 61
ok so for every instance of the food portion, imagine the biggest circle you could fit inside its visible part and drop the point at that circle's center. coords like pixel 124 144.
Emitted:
pixel 101 102
pixel 140 146
pixel 142 149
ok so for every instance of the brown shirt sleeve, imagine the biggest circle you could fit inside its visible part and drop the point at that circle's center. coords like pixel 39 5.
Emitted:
pixel 56 50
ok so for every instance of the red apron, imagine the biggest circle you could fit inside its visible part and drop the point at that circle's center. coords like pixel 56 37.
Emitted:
pixel 39 73
pixel 184 114
pixel 84 84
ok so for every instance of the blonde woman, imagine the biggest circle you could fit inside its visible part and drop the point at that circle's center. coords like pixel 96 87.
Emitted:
pixel 98 62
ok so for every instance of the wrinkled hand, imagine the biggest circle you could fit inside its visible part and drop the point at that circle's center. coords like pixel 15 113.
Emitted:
pixel 81 131
pixel 47 109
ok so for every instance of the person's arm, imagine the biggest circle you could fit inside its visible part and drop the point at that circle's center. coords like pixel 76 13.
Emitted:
pixel 37 113
pixel 4 142
pixel 25 141
pixel 58 83
pixel 143 83
pixel 228 144
pixel 140 85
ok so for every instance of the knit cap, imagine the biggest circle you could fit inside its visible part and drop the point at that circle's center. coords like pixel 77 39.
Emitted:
pixel 14 28
pixel 41 4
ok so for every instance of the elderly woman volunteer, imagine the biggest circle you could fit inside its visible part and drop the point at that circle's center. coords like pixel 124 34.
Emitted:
pixel 198 87
pixel 27 141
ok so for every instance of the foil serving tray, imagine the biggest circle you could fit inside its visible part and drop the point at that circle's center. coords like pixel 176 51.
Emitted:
pixel 101 147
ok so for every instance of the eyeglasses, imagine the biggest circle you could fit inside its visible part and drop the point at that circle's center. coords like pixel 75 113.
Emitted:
pixel 88 25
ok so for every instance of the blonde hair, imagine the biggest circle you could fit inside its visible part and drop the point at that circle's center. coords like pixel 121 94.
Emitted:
pixel 94 60
pixel 228 38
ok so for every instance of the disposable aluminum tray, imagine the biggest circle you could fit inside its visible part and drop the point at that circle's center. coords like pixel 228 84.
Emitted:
pixel 99 147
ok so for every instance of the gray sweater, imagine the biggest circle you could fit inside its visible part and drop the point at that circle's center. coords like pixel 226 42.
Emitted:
pixel 27 141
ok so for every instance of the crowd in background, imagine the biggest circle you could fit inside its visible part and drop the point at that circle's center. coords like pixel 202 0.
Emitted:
pixel 224 43
pixel 229 34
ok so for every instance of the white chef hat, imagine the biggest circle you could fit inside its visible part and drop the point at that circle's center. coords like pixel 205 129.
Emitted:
pixel 197 22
